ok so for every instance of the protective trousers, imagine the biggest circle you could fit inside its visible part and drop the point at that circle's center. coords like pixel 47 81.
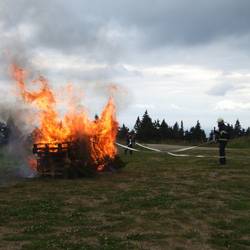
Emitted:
pixel 130 151
pixel 222 153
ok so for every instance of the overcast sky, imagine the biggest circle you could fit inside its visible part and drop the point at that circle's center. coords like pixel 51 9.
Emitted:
pixel 179 59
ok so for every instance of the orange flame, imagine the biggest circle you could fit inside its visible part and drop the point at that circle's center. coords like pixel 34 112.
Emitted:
pixel 101 132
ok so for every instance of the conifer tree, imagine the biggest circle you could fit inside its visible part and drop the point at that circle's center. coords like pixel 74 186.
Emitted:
pixel 237 129
pixel 122 132
pixel 157 126
pixel 146 131
pixel 137 125
pixel 176 131
pixel 196 133
pixel 182 131
pixel 164 130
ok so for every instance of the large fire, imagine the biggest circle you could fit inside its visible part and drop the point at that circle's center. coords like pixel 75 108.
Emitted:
pixel 101 132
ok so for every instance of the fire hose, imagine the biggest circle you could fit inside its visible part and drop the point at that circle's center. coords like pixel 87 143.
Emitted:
pixel 193 147
pixel 126 147
pixel 159 151
pixel 171 153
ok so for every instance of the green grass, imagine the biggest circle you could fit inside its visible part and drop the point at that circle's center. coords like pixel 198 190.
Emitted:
pixel 9 166
pixel 155 202
pixel 242 142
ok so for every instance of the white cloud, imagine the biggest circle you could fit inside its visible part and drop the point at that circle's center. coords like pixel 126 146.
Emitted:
pixel 175 107
pixel 144 106
pixel 229 105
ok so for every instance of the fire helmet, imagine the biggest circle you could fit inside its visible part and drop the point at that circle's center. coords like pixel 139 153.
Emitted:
pixel 220 120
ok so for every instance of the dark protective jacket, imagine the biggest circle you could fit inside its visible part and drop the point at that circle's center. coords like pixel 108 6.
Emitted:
pixel 222 133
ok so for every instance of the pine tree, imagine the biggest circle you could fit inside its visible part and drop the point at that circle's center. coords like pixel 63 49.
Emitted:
pixel 247 132
pixel 197 134
pixel 137 125
pixel 182 131
pixel 237 129
pixel 146 130
pixel 157 126
pixel 122 132
pixel 230 130
pixel 187 135
pixel 164 130
pixel 176 131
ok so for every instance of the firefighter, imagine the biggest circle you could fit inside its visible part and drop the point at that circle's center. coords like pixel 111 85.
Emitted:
pixel 129 143
pixel 222 138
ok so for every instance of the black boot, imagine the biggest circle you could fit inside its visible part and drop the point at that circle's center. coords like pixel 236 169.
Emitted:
pixel 222 160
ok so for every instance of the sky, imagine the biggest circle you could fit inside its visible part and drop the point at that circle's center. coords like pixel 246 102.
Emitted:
pixel 179 59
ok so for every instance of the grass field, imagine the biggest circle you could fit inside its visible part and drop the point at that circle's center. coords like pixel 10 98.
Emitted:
pixel 242 142
pixel 155 202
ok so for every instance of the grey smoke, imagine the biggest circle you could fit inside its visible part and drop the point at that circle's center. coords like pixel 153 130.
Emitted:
pixel 14 157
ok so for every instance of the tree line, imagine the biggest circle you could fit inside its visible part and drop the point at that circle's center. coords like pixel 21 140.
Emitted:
pixel 234 131
pixel 146 129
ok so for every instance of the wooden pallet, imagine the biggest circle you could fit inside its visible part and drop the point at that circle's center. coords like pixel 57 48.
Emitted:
pixel 52 158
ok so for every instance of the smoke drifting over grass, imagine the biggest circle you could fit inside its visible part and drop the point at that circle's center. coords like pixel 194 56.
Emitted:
pixel 15 153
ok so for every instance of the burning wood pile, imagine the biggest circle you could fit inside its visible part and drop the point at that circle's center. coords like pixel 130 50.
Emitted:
pixel 72 144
